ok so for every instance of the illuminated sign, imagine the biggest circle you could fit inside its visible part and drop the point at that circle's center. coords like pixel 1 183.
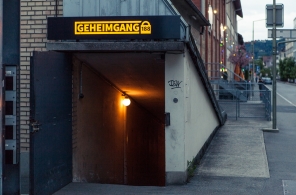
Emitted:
pixel 112 27
pixel 124 27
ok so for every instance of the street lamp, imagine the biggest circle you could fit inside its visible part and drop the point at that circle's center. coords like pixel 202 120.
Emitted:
pixel 252 76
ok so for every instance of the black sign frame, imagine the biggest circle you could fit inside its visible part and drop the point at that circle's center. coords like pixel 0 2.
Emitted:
pixel 163 27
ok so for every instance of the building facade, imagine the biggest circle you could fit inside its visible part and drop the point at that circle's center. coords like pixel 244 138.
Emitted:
pixel 290 48
pixel 67 120
pixel 221 37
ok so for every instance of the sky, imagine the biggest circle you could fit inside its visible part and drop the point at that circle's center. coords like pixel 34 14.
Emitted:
pixel 255 10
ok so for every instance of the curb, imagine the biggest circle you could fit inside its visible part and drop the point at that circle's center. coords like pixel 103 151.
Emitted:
pixel 270 130
pixel 285 82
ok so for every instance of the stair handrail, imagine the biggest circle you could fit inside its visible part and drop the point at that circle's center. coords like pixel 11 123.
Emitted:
pixel 221 65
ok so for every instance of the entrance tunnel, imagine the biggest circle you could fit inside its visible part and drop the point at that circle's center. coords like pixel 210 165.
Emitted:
pixel 113 143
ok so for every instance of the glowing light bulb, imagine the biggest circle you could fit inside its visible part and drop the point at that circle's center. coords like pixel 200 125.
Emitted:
pixel 126 101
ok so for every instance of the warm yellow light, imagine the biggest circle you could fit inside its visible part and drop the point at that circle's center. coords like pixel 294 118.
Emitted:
pixel 126 101
pixel 215 11
pixel 225 27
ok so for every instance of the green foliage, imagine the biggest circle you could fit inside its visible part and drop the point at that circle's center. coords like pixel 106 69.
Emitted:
pixel 287 68
pixel 259 63
pixel 293 73
pixel 266 72
pixel 191 168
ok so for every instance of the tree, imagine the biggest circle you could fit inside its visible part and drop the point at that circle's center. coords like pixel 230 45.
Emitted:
pixel 293 73
pixel 240 58
pixel 287 69
pixel 259 63
pixel 266 72
pixel 290 64
pixel 282 68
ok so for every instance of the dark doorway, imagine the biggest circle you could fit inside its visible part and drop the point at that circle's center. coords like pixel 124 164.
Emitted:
pixel 51 122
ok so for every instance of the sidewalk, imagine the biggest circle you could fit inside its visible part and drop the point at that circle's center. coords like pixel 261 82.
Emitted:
pixel 235 163
pixel 238 150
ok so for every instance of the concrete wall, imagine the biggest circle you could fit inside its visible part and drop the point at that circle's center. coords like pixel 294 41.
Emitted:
pixel 145 147
pixel 193 117
pixel 200 117
pixel 98 130
pixel 175 133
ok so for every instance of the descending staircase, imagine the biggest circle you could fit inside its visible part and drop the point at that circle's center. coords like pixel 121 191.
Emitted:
pixel 227 88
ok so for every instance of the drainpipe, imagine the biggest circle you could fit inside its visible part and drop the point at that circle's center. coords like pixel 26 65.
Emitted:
pixel 56 8
pixel 2 140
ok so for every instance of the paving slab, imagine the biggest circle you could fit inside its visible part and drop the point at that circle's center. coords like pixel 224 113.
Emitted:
pixel 237 150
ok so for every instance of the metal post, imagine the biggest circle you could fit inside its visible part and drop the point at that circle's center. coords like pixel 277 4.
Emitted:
pixel 253 51
pixel 2 140
pixel 274 69
pixel 236 106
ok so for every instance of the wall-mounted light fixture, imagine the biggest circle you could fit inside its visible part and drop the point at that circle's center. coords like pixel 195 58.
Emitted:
pixel 210 11
pixel 222 31
pixel 215 11
pixel 126 101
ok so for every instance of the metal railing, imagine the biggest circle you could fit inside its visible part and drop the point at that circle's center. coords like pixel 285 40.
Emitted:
pixel 215 72
pixel 257 104
pixel 232 82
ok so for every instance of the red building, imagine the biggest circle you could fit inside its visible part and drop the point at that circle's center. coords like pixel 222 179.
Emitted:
pixel 216 41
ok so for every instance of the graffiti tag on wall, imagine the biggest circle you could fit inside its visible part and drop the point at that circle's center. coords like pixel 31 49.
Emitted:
pixel 174 84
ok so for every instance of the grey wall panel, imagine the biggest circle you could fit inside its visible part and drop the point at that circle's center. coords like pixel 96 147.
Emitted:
pixel 72 8
pixel 124 8
pixel 168 12
pixel 162 8
pixel 109 8
pixel 89 7
pixel 134 7
pixel 115 7
pixel 147 7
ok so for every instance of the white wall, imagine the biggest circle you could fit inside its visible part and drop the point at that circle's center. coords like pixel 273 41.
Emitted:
pixel 193 117
pixel 174 134
pixel 200 116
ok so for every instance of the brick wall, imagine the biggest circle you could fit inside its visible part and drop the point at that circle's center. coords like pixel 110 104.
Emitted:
pixel 197 3
pixel 32 38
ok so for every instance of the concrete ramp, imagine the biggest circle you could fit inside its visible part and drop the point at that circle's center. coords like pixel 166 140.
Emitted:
pixel 237 150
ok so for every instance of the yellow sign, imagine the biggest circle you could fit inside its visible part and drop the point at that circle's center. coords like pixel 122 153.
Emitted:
pixel 112 27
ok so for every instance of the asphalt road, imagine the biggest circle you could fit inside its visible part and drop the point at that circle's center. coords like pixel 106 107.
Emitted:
pixel 281 147
pixel 287 92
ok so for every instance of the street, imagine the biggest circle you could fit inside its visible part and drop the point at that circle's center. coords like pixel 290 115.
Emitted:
pixel 281 154
pixel 286 92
